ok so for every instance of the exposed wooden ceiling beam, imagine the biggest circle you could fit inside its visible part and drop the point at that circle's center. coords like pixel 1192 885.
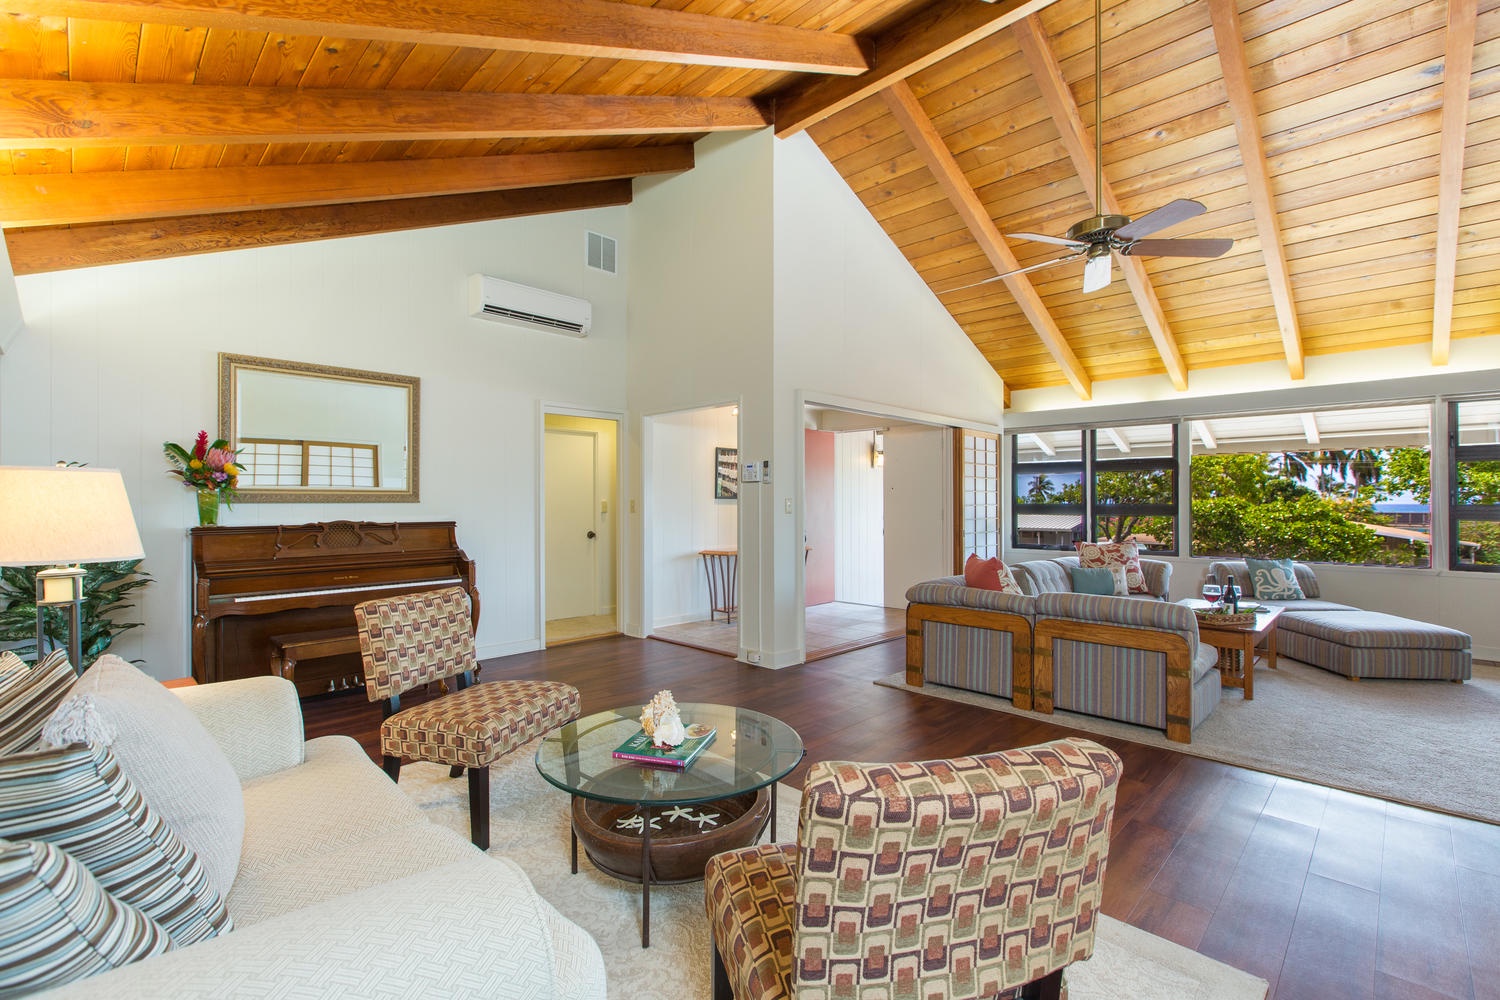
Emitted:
pixel 1458 66
pixel 114 195
pixel 1230 40
pixel 36 114
pixel 36 250
pixel 590 28
pixel 1064 110
pixel 950 177
pixel 926 37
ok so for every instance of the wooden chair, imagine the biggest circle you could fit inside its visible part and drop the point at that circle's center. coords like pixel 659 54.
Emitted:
pixel 415 639
pixel 976 877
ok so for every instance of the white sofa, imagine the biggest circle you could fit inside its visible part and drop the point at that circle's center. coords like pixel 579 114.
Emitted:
pixel 345 889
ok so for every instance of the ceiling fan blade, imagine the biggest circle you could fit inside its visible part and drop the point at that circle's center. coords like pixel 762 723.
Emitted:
pixel 1039 238
pixel 1097 273
pixel 1011 274
pixel 1177 248
pixel 1169 214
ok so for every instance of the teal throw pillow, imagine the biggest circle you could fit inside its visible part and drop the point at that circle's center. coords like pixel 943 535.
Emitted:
pixel 1094 581
pixel 1274 580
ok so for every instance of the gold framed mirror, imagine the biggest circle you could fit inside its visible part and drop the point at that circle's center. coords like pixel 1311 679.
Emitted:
pixel 318 434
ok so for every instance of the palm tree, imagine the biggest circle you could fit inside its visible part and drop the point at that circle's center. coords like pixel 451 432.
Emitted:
pixel 1042 489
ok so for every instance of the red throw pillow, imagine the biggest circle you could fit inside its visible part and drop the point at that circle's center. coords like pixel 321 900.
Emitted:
pixel 990 574
pixel 1106 555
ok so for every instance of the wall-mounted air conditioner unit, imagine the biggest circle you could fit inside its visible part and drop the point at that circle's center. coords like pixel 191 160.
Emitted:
pixel 521 305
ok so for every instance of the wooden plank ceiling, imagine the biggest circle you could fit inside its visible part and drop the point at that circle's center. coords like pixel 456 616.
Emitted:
pixel 1350 148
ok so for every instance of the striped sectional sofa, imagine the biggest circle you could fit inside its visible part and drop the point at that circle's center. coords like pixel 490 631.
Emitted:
pixel 1135 659
pixel 1355 643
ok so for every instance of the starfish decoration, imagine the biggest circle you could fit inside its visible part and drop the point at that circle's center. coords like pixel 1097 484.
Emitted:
pixel 679 812
pixel 635 822
pixel 706 819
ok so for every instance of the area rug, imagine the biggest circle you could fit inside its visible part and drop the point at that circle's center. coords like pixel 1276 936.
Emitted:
pixel 1425 743
pixel 528 824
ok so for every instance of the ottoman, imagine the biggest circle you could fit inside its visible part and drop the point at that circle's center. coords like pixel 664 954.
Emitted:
pixel 1373 644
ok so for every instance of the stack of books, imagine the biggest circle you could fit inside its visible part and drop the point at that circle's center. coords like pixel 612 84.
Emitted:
pixel 638 749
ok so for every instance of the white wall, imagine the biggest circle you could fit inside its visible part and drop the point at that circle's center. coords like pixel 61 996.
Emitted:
pixel 11 320
pixel 858 521
pixel 853 323
pixel 700 324
pixel 118 359
pixel 687 518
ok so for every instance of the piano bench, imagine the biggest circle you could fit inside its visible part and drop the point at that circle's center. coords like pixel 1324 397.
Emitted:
pixel 290 649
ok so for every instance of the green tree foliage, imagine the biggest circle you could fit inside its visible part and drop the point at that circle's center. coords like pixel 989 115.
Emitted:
pixel 107 590
pixel 1042 489
pixel 1243 506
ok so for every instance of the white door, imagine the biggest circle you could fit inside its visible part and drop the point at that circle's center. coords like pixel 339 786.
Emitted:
pixel 918 539
pixel 572 536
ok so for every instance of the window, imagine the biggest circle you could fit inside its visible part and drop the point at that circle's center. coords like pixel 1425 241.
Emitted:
pixel 1135 485
pixel 1047 489
pixel 270 462
pixel 1342 486
pixel 977 494
pixel 1474 484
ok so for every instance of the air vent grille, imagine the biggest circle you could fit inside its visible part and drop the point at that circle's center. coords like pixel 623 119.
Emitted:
pixel 602 253
pixel 526 317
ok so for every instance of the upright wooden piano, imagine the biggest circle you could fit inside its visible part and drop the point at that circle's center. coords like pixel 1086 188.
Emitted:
pixel 253 583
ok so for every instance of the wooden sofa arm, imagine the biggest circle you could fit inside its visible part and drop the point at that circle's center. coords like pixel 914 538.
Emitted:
pixel 1174 646
pixel 1019 627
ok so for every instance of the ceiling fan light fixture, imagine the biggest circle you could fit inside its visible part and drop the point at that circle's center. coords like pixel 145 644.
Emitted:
pixel 1098 272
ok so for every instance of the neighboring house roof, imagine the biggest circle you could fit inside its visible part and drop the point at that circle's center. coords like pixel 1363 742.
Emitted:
pixel 1409 534
pixel 1048 522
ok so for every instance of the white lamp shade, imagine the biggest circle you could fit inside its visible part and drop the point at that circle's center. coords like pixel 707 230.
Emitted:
pixel 65 515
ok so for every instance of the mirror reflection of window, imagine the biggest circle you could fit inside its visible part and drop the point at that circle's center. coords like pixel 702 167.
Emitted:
pixel 299 431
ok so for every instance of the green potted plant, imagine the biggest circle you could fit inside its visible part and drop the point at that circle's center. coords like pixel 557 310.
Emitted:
pixel 107 590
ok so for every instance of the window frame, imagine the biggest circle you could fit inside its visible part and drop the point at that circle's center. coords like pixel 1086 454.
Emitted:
pixel 1172 464
pixel 1459 511
pixel 1069 466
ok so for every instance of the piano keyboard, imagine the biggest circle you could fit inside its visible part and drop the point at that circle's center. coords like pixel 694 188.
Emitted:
pixel 319 592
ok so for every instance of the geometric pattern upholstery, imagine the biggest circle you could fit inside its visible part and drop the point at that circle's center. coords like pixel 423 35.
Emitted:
pixel 957 878
pixel 414 639
pixel 476 726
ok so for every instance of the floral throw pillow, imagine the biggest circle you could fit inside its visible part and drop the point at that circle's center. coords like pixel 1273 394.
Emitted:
pixel 1105 555
pixel 1274 580
pixel 990 574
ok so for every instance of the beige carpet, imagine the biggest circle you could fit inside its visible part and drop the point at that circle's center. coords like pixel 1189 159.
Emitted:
pixel 1424 743
pixel 528 824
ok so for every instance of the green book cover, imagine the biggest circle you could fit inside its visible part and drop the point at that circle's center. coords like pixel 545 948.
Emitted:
pixel 638 748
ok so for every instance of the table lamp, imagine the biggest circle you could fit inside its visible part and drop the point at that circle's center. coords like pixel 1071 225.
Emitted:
pixel 64 516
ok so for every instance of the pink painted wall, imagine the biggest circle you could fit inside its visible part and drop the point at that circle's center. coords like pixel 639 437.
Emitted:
pixel 817 518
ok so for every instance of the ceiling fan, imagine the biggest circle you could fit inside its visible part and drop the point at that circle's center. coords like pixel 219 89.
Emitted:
pixel 1100 236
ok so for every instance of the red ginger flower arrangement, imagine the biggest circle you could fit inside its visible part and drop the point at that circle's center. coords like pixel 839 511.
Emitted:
pixel 208 466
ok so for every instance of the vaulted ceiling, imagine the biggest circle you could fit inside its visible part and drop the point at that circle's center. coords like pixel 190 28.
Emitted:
pixel 1350 148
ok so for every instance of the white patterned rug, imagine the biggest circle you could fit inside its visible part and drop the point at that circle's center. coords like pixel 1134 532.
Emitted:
pixel 1426 743
pixel 528 824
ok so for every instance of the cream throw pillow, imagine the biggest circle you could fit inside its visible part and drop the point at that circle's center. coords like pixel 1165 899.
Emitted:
pixel 166 753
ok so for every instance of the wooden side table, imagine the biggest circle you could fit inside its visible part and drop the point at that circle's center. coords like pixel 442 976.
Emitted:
pixel 723 569
pixel 1237 647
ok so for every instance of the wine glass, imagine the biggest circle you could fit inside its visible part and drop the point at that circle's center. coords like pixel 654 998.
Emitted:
pixel 1212 593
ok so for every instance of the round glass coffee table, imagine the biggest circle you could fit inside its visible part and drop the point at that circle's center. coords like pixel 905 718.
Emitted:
pixel 659 824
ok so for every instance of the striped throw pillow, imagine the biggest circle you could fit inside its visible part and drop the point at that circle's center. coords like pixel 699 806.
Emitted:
pixel 77 799
pixel 27 700
pixel 12 669
pixel 60 924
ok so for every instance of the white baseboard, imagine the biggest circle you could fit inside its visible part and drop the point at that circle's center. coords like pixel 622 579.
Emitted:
pixel 493 649
pixel 777 660
pixel 691 616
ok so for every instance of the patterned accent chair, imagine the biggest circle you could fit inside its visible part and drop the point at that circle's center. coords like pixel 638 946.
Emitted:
pixel 977 877
pixel 416 639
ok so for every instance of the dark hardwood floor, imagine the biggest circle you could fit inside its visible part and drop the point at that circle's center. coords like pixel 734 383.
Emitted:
pixel 1326 894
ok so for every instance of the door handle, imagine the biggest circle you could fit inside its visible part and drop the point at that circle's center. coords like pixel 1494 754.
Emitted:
pixel 591 534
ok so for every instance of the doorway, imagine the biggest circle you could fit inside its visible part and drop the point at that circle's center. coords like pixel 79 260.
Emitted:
pixel 874 501
pixel 580 487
